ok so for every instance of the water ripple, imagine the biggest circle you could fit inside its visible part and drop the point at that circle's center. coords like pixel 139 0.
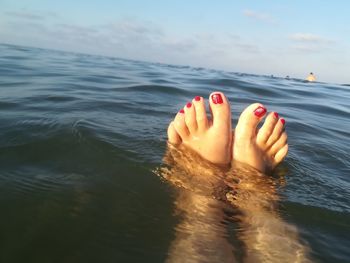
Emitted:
pixel 78 134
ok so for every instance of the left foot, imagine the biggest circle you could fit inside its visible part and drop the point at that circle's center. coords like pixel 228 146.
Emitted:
pixel 262 149
pixel 211 139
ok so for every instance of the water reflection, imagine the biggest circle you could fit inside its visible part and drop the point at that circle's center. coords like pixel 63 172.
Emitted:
pixel 227 214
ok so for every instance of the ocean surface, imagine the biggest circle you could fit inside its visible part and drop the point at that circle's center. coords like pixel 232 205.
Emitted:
pixel 81 136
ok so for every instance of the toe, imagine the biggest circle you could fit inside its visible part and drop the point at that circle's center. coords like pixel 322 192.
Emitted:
pixel 248 122
pixel 201 114
pixel 190 117
pixel 267 129
pixel 173 136
pixel 281 154
pixel 180 125
pixel 279 144
pixel 221 112
pixel 276 134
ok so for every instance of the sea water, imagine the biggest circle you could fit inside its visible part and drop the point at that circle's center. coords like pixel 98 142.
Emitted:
pixel 81 136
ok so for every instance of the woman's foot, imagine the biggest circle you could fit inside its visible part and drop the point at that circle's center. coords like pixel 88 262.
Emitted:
pixel 262 148
pixel 212 139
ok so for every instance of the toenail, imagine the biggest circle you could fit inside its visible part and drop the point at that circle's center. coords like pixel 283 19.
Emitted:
pixel 197 98
pixel 182 111
pixel 276 115
pixel 260 111
pixel 283 121
pixel 216 98
pixel 188 105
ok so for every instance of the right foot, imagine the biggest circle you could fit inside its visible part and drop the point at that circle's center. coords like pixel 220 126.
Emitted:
pixel 262 149
pixel 209 138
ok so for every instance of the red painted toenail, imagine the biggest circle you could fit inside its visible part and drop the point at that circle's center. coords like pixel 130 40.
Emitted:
pixel 283 121
pixel 260 111
pixel 197 98
pixel 188 105
pixel 276 115
pixel 216 98
pixel 182 111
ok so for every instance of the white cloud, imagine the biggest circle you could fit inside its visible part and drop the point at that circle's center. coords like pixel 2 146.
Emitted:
pixel 25 15
pixel 132 27
pixel 310 43
pixel 259 16
pixel 309 38
pixel 307 48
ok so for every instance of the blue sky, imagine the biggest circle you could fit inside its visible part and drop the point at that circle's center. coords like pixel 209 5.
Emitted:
pixel 257 36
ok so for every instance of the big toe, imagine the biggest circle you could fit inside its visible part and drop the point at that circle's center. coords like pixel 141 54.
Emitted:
pixel 220 108
pixel 249 120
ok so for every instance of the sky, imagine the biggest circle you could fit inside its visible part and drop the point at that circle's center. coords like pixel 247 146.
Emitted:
pixel 258 36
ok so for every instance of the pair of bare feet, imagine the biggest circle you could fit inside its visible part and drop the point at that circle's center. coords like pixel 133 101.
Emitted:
pixel 213 139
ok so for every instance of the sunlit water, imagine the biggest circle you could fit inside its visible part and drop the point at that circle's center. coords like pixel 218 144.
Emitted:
pixel 81 135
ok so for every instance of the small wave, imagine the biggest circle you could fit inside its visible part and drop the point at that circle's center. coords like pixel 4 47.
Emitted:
pixel 7 105
pixel 69 118
pixel 156 89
